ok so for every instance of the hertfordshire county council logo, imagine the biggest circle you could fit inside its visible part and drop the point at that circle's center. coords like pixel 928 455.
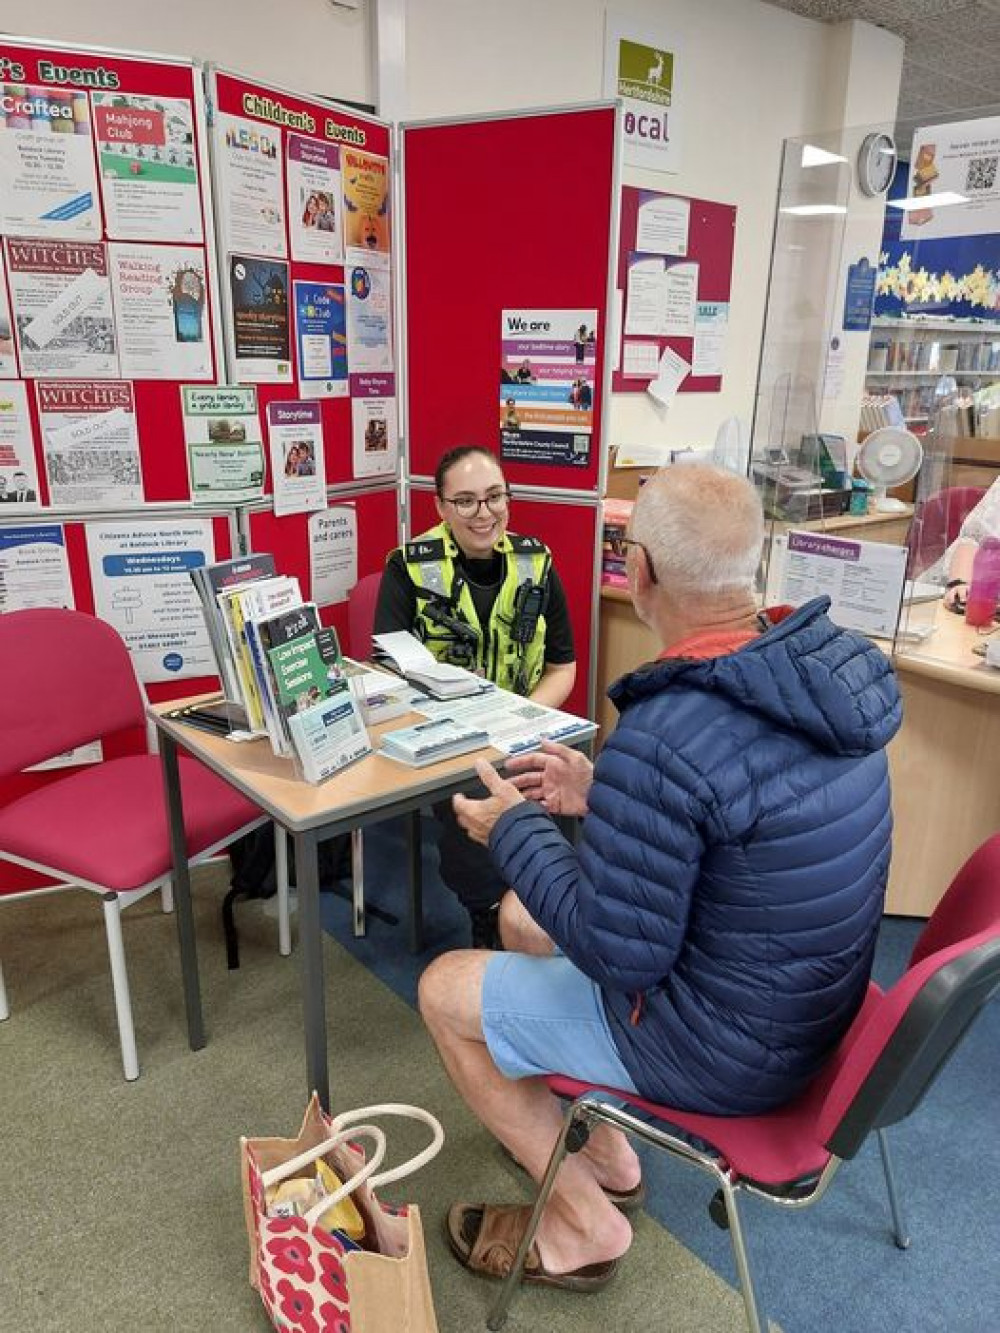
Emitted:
pixel 645 73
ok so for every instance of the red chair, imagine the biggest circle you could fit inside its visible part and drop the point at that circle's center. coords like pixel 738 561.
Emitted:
pixel 67 679
pixel 361 602
pixel 936 524
pixel 894 1050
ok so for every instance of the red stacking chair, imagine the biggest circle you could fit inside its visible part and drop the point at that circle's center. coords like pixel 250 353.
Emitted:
pixel 67 679
pixel 361 602
pixel 894 1050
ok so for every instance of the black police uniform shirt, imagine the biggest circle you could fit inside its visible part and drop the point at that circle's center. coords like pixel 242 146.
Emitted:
pixel 396 608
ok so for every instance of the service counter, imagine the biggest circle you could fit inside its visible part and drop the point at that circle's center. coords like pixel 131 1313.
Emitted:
pixel 945 760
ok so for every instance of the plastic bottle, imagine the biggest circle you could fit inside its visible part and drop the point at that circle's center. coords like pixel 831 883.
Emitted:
pixel 984 590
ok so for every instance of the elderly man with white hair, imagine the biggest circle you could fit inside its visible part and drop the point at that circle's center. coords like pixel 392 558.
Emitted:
pixel 711 939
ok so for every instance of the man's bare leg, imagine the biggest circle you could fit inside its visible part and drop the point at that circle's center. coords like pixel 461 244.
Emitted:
pixel 579 1226
pixel 607 1149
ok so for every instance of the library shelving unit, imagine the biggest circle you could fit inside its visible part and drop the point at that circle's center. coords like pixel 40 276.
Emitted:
pixel 907 357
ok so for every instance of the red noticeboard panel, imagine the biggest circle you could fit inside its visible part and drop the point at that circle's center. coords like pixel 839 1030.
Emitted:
pixel 287 539
pixel 505 214
pixel 711 238
pixel 571 532
pixel 236 95
pixel 49 71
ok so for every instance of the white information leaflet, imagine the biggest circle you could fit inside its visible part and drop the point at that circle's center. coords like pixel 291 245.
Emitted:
pixel 8 361
pixel 864 580
pixel 373 420
pixel 224 447
pixel 641 360
pixel 248 155
pixel 48 185
pixel 644 296
pixel 62 308
pixel 34 569
pixel 672 372
pixel 711 323
pixel 663 224
pixel 514 724
pixel 149 173
pixel 91 443
pixel 369 328
pixel 298 466
pixel 680 297
pixel 962 159
pixel 141 575
pixel 18 475
pixel 333 553
pixel 160 299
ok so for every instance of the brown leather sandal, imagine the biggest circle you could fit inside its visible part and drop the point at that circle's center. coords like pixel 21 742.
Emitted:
pixel 484 1239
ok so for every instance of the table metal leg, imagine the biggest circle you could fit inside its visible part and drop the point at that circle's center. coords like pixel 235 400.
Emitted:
pixel 182 893
pixel 311 952
pixel 416 884
pixel 358 882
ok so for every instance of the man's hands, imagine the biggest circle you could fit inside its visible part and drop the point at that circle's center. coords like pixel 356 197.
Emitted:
pixel 555 776
pixel 478 817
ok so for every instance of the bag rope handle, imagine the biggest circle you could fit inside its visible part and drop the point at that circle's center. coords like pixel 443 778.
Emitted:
pixel 404 1112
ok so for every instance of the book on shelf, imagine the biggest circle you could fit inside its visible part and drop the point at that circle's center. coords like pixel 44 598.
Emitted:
pixel 408 657
pixel 306 667
pixel 209 581
pixel 428 742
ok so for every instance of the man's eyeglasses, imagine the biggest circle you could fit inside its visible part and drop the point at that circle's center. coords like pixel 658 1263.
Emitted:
pixel 468 506
pixel 619 546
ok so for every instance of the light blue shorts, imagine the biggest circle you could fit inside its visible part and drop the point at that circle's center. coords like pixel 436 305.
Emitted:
pixel 543 1016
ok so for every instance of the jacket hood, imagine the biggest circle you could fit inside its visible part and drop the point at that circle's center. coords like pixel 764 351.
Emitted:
pixel 804 674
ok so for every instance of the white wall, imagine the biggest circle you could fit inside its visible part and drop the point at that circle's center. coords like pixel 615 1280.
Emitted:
pixel 751 75
pixel 305 45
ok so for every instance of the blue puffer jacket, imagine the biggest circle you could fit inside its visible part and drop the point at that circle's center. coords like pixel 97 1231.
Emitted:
pixel 730 876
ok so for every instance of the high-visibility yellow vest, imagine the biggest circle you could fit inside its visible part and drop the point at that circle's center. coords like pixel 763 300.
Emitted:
pixel 492 650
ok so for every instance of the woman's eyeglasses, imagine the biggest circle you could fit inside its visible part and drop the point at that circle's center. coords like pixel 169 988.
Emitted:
pixel 619 546
pixel 468 506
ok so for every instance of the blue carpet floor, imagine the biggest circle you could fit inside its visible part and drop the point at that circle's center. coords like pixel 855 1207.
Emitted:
pixel 832 1267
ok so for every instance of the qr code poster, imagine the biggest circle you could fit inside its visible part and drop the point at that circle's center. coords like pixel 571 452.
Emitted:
pixel 953 180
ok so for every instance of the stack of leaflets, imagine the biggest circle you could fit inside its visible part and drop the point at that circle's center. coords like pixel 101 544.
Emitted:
pixel 281 665
pixel 429 742
pixel 403 653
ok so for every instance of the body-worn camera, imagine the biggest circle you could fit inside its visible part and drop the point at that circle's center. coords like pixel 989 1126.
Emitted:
pixel 529 604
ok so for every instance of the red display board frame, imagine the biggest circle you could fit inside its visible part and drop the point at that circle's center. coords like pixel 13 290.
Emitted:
pixel 711 242
pixel 572 532
pixel 512 212
pixel 159 419
pixel 234 94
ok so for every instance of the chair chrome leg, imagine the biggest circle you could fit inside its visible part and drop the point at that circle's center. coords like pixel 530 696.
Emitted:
pixel 167 897
pixel 756 1318
pixel 898 1224
pixel 4 1006
pixel 119 982
pixel 281 880
pixel 497 1316
pixel 358 881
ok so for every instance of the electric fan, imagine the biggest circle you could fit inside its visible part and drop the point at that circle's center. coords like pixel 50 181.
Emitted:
pixel 889 457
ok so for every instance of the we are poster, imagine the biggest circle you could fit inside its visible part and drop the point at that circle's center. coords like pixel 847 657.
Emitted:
pixel 141 576
pixel 321 339
pixel 160 297
pixel 62 308
pixel 48 185
pixel 548 376
pixel 149 175
pixel 248 159
pixel 91 443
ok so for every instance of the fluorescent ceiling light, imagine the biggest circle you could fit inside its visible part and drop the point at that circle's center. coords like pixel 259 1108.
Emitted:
pixel 814 210
pixel 818 157
pixel 942 200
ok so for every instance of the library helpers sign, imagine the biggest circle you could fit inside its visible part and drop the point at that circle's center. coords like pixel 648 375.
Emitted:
pixel 645 76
